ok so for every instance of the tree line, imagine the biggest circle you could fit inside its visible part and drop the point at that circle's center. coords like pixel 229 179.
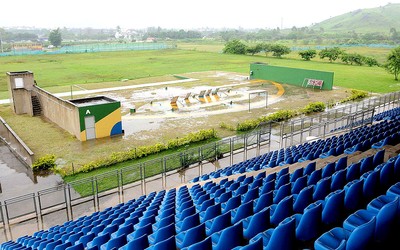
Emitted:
pixel 392 64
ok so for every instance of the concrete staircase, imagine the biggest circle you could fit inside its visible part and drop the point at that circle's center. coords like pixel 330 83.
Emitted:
pixel 37 108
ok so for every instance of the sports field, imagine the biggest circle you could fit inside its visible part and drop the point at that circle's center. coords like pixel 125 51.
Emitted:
pixel 62 73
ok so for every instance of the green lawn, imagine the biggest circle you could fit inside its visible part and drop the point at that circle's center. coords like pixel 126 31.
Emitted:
pixel 70 69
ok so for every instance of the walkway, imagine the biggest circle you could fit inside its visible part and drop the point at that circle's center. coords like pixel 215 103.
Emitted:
pixel 92 91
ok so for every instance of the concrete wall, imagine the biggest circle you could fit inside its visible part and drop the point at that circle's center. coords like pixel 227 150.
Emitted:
pixel 17 146
pixel 293 76
pixel 59 111
pixel 21 95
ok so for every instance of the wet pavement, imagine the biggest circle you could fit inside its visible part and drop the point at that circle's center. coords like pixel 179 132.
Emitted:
pixel 16 179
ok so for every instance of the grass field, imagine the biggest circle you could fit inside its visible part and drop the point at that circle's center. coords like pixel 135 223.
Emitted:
pixel 57 73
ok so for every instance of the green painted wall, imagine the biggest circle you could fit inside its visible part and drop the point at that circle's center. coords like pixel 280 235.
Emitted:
pixel 99 111
pixel 293 76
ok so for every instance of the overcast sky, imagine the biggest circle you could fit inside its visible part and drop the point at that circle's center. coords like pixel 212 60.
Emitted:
pixel 177 14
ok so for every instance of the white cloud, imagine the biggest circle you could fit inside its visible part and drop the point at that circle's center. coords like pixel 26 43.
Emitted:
pixel 175 13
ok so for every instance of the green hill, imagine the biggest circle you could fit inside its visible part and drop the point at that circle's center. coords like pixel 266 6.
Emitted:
pixel 373 20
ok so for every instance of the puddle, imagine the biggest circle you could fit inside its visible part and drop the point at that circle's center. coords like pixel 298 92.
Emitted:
pixel 16 179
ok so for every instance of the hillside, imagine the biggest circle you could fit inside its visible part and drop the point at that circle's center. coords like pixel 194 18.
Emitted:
pixel 380 19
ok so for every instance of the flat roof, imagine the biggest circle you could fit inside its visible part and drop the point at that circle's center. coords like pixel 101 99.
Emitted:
pixel 11 73
pixel 83 102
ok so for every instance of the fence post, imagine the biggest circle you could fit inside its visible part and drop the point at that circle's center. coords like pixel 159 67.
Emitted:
pixel 119 180
pixel 142 177
pixel 164 172
pixel 245 147
pixel 231 151
pixel 96 196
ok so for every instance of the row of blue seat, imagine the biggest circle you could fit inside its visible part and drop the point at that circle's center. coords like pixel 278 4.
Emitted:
pixel 235 209
pixel 360 139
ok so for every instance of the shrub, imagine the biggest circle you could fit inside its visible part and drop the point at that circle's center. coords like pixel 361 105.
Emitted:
pixel 314 107
pixel 355 95
pixel 45 162
pixel 139 152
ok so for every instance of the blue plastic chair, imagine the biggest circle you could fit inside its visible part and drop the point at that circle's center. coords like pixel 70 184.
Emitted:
pixel 145 230
pixel 299 184
pixel 189 222
pixel 303 199
pixel 76 247
pixel 191 236
pixel 353 198
pixel 265 200
pixel 341 163
pixel 202 245
pixel 281 210
pixel 281 237
pixel 371 184
pixel 314 177
pixel 218 223
pixel 139 243
pixel 379 157
pixel 283 180
pixel 367 164
pixel 232 203
pixel 86 239
pixel 296 174
pixel 210 213
pixel 228 238
pixel 328 170
pixel 241 212
pixel 322 188
pixel 185 213
pixel 162 234
pixel 309 168
pixel 255 245
pixel 309 223
pixel 256 223
pixel 282 192
pixel 333 208
pixel 353 171
pixel 338 180
pixel 267 187
pixel 205 204
pixel 340 238
pixel 167 244
pixel 63 246
pixel 116 242
pixel 251 195
pixel 98 241
pixel 163 222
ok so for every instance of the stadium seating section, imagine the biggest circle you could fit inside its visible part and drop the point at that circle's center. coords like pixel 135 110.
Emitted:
pixel 342 192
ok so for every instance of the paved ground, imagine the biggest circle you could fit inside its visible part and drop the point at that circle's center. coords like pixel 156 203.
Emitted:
pixel 17 180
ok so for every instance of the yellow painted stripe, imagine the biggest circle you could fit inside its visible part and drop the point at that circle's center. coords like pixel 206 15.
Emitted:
pixel 105 125
pixel 280 88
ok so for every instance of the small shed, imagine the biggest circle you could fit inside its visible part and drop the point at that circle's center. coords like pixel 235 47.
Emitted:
pixel 99 117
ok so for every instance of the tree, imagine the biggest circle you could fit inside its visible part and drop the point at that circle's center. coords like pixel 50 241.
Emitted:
pixel 55 37
pixel 279 50
pixel 255 49
pixel 370 61
pixel 331 53
pixel 393 63
pixel 308 54
pixel 235 47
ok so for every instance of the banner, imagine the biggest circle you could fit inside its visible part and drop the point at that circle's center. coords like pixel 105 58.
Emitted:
pixel 314 82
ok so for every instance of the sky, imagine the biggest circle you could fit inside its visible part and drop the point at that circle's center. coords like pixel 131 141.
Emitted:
pixel 175 14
